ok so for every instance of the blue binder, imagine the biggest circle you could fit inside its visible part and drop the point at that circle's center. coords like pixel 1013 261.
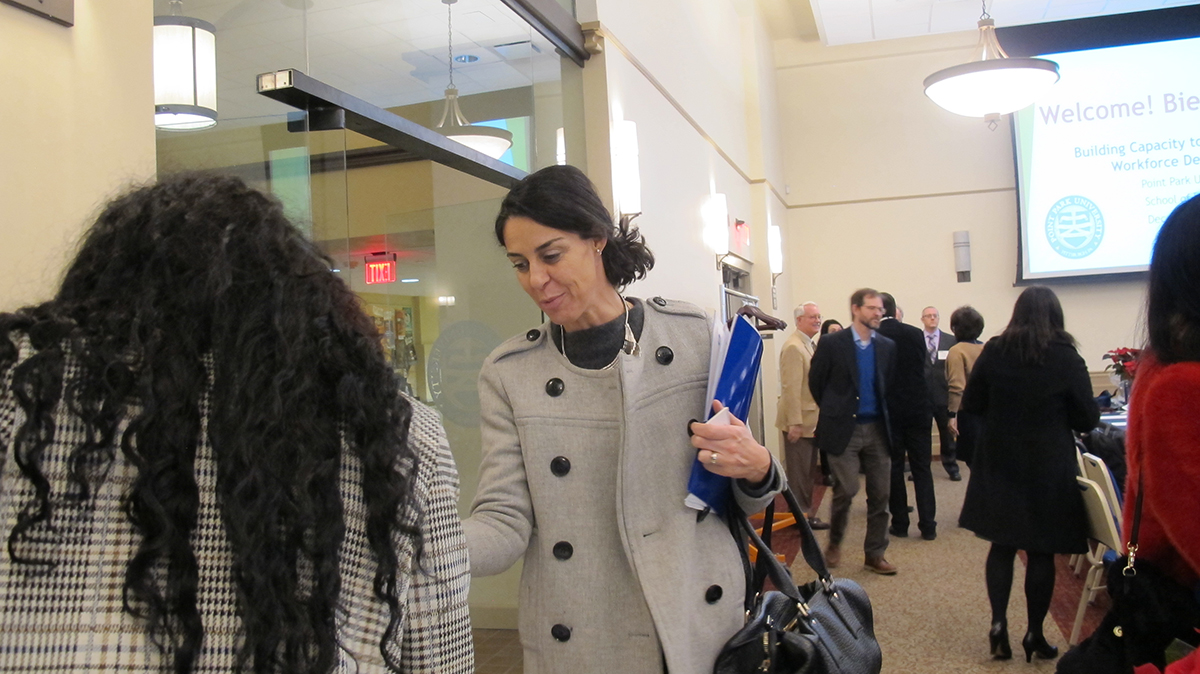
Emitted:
pixel 735 382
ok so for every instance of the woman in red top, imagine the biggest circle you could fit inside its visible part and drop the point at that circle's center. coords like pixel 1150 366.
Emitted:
pixel 1163 440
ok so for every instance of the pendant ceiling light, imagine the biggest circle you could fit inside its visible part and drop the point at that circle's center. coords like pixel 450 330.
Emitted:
pixel 992 83
pixel 489 140
pixel 185 72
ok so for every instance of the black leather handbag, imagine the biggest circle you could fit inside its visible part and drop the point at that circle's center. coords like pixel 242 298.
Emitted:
pixel 824 627
pixel 1149 611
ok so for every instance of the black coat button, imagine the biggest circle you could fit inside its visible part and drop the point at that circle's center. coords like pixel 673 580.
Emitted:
pixel 664 355
pixel 533 334
pixel 563 550
pixel 561 632
pixel 713 594
pixel 560 466
pixel 659 301
pixel 555 387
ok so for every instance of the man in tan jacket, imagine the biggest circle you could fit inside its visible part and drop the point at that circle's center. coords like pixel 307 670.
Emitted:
pixel 797 410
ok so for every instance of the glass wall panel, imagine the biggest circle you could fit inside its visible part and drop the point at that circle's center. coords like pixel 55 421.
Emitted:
pixel 414 239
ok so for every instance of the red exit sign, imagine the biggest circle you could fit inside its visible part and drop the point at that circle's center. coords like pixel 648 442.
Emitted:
pixel 380 272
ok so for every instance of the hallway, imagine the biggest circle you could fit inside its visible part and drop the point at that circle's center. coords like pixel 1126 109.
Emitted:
pixel 933 616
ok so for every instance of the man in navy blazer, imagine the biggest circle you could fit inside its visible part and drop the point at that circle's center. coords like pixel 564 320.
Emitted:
pixel 910 416
pixel 849 379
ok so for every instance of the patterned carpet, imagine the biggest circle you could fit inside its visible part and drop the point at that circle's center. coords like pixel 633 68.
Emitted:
pixel 933 616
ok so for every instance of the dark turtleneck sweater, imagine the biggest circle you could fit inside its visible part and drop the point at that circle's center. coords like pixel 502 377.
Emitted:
pixel 596 347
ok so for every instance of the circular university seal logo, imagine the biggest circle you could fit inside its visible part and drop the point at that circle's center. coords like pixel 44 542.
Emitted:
pixel 1074 227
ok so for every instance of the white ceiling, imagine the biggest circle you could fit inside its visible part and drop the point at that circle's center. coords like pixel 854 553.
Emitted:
pixel 388 52
pixel 851 21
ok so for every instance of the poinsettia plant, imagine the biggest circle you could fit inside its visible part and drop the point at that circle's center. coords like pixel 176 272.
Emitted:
pixel 1124 362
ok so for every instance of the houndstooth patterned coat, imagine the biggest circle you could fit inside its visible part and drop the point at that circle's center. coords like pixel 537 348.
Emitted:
pixel 70 618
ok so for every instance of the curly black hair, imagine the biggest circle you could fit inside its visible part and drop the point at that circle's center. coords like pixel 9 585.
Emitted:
pixel 196 292
pixel 563 198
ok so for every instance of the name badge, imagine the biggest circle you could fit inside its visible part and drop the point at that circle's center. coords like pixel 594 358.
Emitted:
pixel 942 355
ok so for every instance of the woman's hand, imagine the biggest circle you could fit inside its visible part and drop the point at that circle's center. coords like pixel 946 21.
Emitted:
pixel 730 450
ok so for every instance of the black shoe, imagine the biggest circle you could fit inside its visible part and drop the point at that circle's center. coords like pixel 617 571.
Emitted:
pixel 929 535
pixel 898 532
pixel 955 475
pixel 816 524
pixel 998 637
pixel 1036 645
pixel 826 481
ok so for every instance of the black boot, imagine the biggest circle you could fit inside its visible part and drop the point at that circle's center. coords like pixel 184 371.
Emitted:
pixel 1036 645
pixel 998 637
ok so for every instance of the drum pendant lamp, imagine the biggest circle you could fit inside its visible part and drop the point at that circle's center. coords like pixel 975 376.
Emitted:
pixel 185 72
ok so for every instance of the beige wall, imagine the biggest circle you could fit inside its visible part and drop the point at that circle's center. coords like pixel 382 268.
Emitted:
pixel 703 97
pixel 76 126
pixel 880 177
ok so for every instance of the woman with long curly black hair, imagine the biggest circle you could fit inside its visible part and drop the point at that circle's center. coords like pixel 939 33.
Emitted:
pixel 207 466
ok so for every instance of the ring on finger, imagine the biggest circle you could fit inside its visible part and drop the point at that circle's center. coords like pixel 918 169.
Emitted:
pixel 712 457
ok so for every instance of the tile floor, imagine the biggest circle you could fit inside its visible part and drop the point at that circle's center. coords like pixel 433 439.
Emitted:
pixel 497 652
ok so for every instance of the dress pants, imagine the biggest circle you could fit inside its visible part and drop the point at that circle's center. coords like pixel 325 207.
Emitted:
pixel 801 466
pixel 868 448
pixel 949 448
pixel 911 438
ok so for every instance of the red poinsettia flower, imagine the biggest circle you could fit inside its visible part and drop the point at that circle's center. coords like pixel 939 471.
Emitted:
pixel 1124 362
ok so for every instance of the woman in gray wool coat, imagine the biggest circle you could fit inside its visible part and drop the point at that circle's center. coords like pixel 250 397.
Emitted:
pixel 586 453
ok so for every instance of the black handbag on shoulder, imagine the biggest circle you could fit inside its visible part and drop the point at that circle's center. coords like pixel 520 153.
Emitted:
pixel 1149 612
pixel 824 627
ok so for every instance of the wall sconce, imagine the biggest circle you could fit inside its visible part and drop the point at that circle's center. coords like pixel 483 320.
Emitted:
pixel 715 216
pixel 445 301
pixel 962 256
pixel 775 259
pixel 185 73
pixel 627 178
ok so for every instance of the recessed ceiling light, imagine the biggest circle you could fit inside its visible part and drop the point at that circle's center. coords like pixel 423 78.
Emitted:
pixel 466 58
pixel 409 280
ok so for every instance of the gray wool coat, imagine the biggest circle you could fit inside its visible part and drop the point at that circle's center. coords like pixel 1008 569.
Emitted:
pixel 584 473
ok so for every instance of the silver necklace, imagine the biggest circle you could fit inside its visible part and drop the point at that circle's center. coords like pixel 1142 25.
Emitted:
pixel 629 346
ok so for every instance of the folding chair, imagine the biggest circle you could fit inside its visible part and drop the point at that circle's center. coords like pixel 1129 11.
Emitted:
pixel 1097 471
pixel 1102 528
pixel 1076 561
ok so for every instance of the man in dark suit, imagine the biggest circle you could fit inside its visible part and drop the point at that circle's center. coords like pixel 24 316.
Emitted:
pixel 849 378
pixel 911 416
pixel 937 344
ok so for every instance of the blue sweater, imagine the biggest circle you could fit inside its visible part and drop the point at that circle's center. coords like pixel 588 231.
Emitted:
pixel 868 405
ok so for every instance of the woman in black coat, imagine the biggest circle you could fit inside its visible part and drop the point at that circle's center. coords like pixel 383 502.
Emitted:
pixel 1033 392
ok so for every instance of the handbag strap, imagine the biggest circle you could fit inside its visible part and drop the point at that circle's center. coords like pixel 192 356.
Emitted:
pixel 760 566
pixel 1131 547
pixel 779 575
pixel 767 565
